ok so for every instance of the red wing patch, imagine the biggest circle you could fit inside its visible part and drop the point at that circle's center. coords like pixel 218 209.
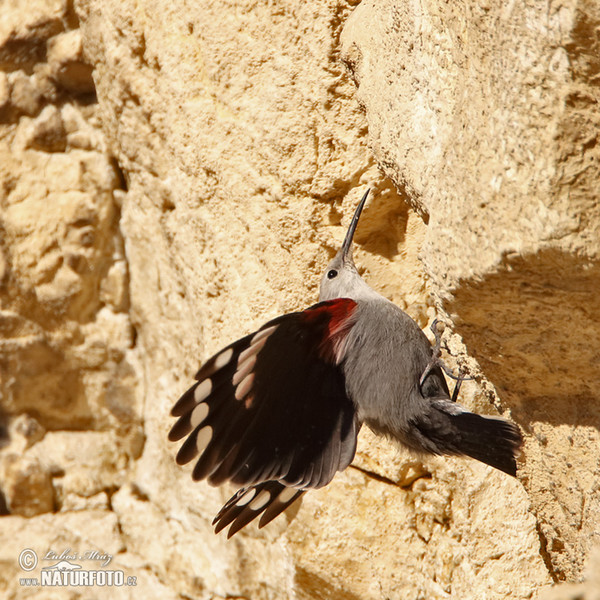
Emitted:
pixel 339 314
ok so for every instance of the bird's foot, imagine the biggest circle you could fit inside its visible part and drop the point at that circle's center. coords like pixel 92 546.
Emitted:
pixel 436 352
pixel 436 361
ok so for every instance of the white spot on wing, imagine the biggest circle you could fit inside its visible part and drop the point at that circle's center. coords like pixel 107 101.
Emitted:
pixel 203 390
pixel 246 497
pixel 243 369
pixel 287 494
pixel 261 500
pixel 253 349
pixel 263 334
pixel 244 387
pixel 199 414
pixel 223 359
pixel 203 439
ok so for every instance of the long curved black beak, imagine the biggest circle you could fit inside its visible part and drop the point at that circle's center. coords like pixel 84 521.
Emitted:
pixel 347 245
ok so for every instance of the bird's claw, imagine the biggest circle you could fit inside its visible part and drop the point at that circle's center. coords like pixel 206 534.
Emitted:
pixel 436 361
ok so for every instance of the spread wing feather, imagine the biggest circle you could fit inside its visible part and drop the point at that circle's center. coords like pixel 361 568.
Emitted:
pixel 270 413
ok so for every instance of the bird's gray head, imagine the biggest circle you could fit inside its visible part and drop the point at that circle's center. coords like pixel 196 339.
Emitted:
pixel 341 279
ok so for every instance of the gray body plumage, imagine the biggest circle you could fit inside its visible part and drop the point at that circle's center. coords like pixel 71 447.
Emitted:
pixel 388 352
pixel 385 355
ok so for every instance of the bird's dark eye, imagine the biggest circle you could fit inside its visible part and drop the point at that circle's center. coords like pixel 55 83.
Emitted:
pixel 332 274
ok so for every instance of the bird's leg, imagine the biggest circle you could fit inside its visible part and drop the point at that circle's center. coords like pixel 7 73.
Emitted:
pixel 459 381
pixel 436 361
pixel 458 378
pixel 435 354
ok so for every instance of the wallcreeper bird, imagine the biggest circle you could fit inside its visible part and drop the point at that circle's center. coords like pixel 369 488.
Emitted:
pixel 278 411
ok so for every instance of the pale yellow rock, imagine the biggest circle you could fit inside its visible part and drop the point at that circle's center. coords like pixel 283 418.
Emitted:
pixel 494 140
pixel 69 69
pixel 4 92
pixel 25 96
pixel 589 590
pixel 24 432
pixel 242 148
pixel 59 223
pixel 66 354
pixel 26 485
pixel 84 463
pixel 47 131
pixel 218 242
pixel 90 539
pixel 114 287
pixel 29 23
pixel 73 501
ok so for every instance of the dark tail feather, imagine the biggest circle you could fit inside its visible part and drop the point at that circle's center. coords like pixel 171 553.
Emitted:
pixel 493 441
pixel 449 429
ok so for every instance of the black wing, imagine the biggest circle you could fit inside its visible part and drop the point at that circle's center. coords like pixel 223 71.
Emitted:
pixel 269 498
pixel 273 406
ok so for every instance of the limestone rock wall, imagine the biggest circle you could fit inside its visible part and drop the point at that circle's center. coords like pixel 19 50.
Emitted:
pixel 173 174
pixel 499 153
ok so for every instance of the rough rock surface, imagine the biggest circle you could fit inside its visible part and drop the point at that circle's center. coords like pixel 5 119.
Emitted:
pixel 498 149
pixel 197 186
